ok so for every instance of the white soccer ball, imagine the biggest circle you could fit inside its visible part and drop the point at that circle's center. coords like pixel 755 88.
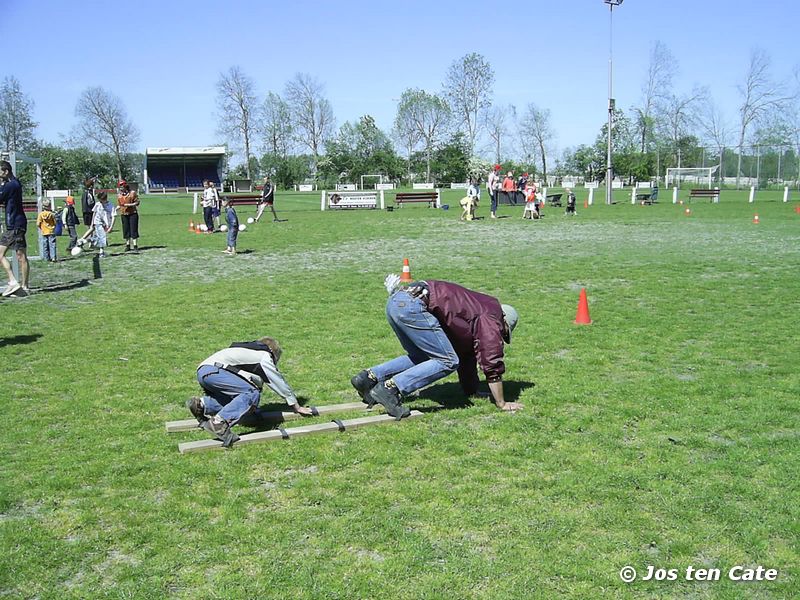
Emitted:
pixel 223 228
pixel 75 251
pixel 250 220
pixel 81 241
pixel 203 227
pixel 242 227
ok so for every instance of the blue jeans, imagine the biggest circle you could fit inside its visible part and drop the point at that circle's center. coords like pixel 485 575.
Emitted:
pixel 430 354
pixel 493 204
pixel 233 232
pixel 227 394
pixel 49 247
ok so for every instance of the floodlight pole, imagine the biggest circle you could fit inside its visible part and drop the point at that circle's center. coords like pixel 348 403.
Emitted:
pixel 609 169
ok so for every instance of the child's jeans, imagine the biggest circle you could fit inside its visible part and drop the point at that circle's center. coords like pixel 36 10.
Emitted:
pixel 73 236
pixel 49 247
pixel 233 232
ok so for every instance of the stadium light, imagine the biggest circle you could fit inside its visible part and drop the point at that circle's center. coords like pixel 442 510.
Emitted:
pixel 609 169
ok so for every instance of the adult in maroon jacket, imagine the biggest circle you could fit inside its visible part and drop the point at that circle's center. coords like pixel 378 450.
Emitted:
pixel 443 327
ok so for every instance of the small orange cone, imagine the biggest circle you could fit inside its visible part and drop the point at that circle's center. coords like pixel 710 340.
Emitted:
pixel 582 316
pixel 406 276
pixel 797 209
pixel 586 204
pixel 191 225
pixel 755 220
pixel 688 211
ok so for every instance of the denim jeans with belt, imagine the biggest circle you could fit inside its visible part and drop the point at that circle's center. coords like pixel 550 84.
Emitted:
pixel 227 394
pixel 430 354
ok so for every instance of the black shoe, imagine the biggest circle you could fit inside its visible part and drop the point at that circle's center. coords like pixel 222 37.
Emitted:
pixel 389 398
pixel 222 431
pixel 363 384
pixel 195 406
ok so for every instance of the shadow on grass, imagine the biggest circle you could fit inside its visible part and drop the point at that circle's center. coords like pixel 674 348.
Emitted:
pixel 18 340
pixel 451 396
pixel 63 287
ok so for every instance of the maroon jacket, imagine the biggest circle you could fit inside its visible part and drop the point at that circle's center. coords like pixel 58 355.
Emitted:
pixel 473 322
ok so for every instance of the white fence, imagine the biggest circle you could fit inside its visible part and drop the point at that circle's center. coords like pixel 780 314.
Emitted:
pixel 423 186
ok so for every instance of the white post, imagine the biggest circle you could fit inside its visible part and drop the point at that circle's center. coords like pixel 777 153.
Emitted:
pixel 591 196
pixel 786 193
pixel 194 208
pixel 674 195
pixel 633 194
pixel 716 197
pixel 752 194
pixel 382 202
pixel 544 196
pixel 438 198
pixel 322 201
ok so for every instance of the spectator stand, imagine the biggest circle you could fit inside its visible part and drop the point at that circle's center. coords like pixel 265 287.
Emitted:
pixel 182 169
pixel 351 199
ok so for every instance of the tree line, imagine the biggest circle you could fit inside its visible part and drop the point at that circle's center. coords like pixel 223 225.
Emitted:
pixel 437 135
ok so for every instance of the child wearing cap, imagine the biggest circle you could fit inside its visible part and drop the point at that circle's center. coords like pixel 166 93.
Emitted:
pixel 46 222
pixel 70 219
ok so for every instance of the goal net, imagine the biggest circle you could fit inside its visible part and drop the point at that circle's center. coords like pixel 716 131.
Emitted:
pixel 693 175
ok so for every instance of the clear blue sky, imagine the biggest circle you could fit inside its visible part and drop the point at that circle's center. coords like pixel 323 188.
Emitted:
pixel 163 58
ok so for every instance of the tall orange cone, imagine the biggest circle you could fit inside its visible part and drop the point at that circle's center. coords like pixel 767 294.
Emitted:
pixel 406 276
pixel 585 204
pixel 582 316
pixel 755 220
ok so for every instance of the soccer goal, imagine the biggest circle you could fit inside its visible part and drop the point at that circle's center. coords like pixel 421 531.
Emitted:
pixel 693 175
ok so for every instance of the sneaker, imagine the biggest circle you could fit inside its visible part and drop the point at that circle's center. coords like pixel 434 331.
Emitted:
pixel 197 408
pixel 220 430
pixel 364 382
pixel 389 398
pixel 11 288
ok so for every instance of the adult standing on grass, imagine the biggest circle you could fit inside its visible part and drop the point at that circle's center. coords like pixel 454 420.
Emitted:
pixel 208 203
pixel 87 201
pixel 493 187
pixel 232 380
pixel 443 327
pixel 128 202
pixel 267 199
pixel 16 228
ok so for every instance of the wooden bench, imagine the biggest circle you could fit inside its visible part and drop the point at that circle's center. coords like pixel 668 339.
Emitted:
pixel 244 199
pixel 432 198
pixel 553 199
pixel 648 197
pixel 713 195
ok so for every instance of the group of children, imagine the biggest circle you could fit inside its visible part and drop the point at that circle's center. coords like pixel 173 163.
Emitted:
pixel 534 200
pixel 100 221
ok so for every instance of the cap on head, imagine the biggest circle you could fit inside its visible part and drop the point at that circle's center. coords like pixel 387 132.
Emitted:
pixel 497 167
pixel 121 183
pixel 70 200
pixel 511 317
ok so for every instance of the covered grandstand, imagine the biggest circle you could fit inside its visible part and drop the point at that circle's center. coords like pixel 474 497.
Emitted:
pixel 182 169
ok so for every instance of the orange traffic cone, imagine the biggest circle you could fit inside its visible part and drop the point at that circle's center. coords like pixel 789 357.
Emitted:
pixel 582 316
pixel 755 220
pixel 585 204
pixel 688 211
pixel 191 225
pixel 406 276
pixel 797 209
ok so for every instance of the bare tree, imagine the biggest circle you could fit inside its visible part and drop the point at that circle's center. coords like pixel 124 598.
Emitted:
pixel 103 124
pixel 429 114
pixel 312 115
pixel 680 114
pixel 238 117
pixel 405 130
pixel 496 118
pixel 468 88
pixel 16 120
pixel 656 88
pixel 276 125
pixel 536 126
pixel 715 129
pixel 760 95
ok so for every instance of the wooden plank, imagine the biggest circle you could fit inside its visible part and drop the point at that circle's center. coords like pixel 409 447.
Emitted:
pixel 263 415
pixel 275 434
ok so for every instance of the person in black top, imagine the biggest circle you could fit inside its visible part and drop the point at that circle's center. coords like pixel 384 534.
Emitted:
pixel 267 199
pixel 16 228
pixel 87 200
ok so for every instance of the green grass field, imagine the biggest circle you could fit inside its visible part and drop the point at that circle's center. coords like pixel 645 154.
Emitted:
pixel 664 434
